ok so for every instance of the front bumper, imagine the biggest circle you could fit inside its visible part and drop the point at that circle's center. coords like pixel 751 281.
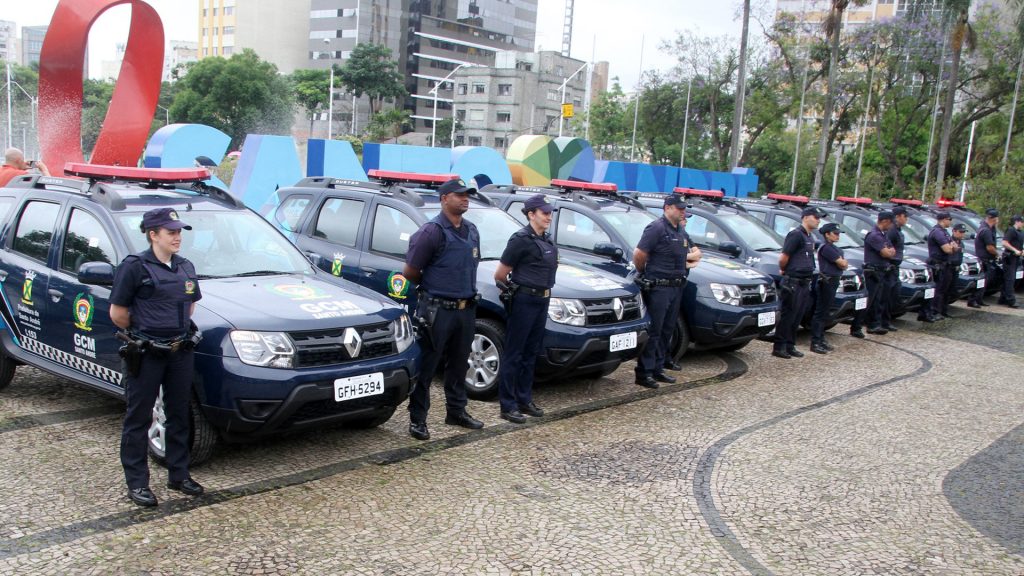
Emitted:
pixel 585 349
pixel 912 296
pixel 713 324
pixel 246 402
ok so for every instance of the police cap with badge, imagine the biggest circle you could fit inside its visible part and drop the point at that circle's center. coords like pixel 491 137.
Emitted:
pixel 538 202
pixel 166 218
pixel 830 227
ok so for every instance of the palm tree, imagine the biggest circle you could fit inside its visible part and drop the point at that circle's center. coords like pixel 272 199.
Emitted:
pixel 741 87
pixel 833 26
pixel 960 34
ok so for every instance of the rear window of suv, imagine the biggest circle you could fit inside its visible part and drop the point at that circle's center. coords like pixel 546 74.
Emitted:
pixel 35 229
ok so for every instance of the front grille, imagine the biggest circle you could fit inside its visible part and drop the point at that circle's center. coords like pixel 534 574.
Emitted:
pixel 850 284
pixel 325 347
pixel 328 407
pixel 752 294
pixel 973 268
pixel 922 276
pixel 602 310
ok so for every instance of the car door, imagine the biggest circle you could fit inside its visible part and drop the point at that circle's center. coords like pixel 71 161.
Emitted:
pixel 386 244
pixel 25 275
pixel 332 234
pixel 80 313
pixel 577 234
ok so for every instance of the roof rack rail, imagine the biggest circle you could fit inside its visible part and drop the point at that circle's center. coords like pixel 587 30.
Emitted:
pixel 41 182
pixel 517 189
pixel 104 195
pixel 329 182
pixel 216 193
pixel 403 193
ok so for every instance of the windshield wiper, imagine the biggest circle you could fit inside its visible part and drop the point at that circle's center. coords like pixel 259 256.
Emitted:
pixel 767 249
pixel 209 276
pixel 260 273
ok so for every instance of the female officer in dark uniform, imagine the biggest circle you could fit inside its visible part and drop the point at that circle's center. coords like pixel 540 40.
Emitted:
pixel 153 297
pixel 532 259
pixel 831 264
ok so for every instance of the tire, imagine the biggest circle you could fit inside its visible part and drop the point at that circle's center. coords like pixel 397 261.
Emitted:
pixel 369 422
pixel 485 360
pixel 680 339
pixel 7 366
pixel 203 437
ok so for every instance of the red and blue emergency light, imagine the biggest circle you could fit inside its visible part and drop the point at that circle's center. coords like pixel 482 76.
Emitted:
pixel 788 198
pixel 413 177
pixel 702 193
pixel 588 186
pixel 133 174
pixel 907 202
pixel 852 200
pixel 944 203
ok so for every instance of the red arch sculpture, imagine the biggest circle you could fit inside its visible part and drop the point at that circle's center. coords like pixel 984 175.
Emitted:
pixel 130 115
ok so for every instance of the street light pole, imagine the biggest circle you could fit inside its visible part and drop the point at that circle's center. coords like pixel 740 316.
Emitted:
pixel 561 116
pixel 433 125
pixel 330 94
pixel 967 165
pixel 686 122
pixel 10 127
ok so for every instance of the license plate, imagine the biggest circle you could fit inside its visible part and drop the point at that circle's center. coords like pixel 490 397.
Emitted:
pixel 765 319
pixel 929 293
pixel 981 283
pixel 619 342
pixel 1019 274
pixel 358 386
pixel 860 303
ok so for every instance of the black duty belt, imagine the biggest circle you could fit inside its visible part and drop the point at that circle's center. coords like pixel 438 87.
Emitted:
pixel 876 268
pixel 453 303
pixel 545 293
pixel 668 281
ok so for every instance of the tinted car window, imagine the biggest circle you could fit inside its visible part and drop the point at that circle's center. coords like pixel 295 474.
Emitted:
pixel 338 220
pixel 85 241
pixel 515 210
pixel 35 229
pixel 783 224
pixel 757 235
pixel 289 212
pixel 704 232
pixel 578 231
pixel 629 223
pixel 391 231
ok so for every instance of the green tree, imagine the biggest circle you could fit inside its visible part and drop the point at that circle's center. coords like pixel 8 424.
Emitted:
pixel 443 133
pixel 239 95
pixel 310 89
pixel 96 96
pixel 608 123
pixel 961 34
pixel 388 124
pixel 372 70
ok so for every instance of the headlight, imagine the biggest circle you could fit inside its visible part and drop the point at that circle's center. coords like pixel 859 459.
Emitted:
pixel 906 276
pixel 927 274
pixel 965 269
pixel 566 311
pixel 727 293
pixel 272 349
pixel 404 336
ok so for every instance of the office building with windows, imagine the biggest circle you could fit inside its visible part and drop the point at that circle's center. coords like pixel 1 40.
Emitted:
pixel 9 43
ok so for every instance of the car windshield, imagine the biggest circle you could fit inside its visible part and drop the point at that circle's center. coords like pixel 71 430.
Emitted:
pixel 911 236
pixel 759 236
pixel 921 225
pixel 495 227
pixel 848 238
pixel 629 223
pixel 228 243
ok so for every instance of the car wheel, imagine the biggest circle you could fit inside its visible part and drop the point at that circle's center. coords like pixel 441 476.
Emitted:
pixel 202 435
pixel 367 422
pixel 485 360
pixel 7 366
pixel 680 339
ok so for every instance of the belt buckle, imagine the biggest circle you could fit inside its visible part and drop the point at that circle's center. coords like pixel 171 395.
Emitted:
pixel 461 304
pixel 547 292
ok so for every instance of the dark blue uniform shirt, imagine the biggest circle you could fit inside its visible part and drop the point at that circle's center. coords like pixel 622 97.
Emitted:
pixel 986 237
pixel 666 247
pixel 936 239
pixel 448 257
pixel 827 256
pixel 533 258
pixel 874 242
pixel 957 257
pixel 158 296
pixel 1014 237
pixel 895 236
pixel 799 245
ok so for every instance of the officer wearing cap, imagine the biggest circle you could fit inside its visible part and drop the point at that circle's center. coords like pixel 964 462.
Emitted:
pixel 956 258
pixel 526 273
pixel 831 264
pixel 662 258
pixel 797 267
pixel 892 277
pixel 985 250
pixel 878 255
pixel 941 247
pixel 443 257
pixel 153 297
pixel 1013 243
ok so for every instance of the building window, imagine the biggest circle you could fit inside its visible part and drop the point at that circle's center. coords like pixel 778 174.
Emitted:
pixel 477 115
pixel 229 30
pixel 553 95
pixel 229 10
pixel 346 54
pixel 504 89
pixel 462 89
pixel 459 141
pixel 214 50
pixel 216 31
pixel 214 11
pixel 577 103
pixel 348 12
pixel 559 71
pixel 504 117
pixel 460 115
pixel 228 50
pixel 318 34
pixel 206 51
pixel 499 142
pixel 348 33
pixel 324 13
pixel 479 88
pixel 204 32
pixel 475 141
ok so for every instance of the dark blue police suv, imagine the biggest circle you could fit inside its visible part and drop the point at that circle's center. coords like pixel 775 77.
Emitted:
pixel 361 230
pixel 285 346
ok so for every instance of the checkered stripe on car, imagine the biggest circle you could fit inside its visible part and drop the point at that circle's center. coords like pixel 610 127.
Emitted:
pixel 72 361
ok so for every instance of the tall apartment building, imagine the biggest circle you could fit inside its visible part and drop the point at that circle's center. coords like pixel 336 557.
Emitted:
pixel 275 29
pixel 520 94
pixel 216 28
pixel 9 41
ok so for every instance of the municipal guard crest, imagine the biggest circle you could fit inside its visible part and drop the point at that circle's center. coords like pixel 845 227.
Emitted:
pixel 398 286
pixel 190 287
pixel 26 288
pixel 82 311
pixel 172 215
pixel 337 263
pixel 476 252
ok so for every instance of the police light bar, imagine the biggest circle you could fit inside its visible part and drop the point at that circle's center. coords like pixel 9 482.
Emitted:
pixel 701 193
pixel 133 174
pixel 588 186
pixel 788 198
pixel 906 202
pixel 852 200
pixel 414 177
pixel 943 203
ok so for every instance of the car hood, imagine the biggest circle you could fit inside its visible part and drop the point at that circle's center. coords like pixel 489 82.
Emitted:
pixel 572 281
pixel 291 302
pixel 718 269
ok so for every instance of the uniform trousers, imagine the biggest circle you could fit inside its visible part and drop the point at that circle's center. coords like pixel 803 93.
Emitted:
pixel 991 276
pixel 825 296
pixel 877 301
pixel 525 333
pixel 891 282
pixel 449 342
pixel 174 371
pixel 796 297
pixel 1010 265
pixel 663 307
pixel 945 276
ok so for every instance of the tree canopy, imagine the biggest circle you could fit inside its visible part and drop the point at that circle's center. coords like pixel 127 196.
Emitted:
pixel 372 70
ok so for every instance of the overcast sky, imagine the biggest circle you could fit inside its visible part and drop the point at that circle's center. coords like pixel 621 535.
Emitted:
pixel 607 29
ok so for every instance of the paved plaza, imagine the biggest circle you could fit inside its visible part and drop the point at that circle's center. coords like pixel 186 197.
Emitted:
pixel 898 454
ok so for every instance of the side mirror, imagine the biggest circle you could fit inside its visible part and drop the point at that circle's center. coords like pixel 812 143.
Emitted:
pixel 96 273
pixel 731 248
pixel 315 259
pixel 608 249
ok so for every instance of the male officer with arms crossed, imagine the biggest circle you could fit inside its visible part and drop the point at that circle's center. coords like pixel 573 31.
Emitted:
pixel 662 257
pixel 831 265
pixel 532 259
pixel 940 249
pixel 797 267
pixel 878 253
pixel 442 258
pixel 892 278
pixel 985 250
pixel 153 297
pixel 1013 243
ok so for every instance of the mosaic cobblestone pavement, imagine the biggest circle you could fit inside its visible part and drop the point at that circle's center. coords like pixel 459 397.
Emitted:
pixel 899 454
